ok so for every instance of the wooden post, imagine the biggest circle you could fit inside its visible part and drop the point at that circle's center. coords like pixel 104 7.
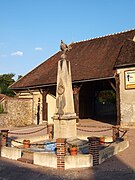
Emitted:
pixel 118 99
pixel 4 137
pixel 76 90
pixel 44 106
pixel 50 131
pixel 0 142
pixel 115 132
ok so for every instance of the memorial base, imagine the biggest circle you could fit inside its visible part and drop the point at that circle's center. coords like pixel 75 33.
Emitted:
pixel 65 127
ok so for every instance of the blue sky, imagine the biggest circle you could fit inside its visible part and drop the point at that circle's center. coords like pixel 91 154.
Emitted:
pixel 31 30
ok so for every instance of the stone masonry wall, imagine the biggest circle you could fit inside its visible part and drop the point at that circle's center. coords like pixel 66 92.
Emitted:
pixel 127 101
pixel 19 113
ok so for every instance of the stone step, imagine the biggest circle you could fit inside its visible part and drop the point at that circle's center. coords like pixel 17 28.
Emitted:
pixel 25 160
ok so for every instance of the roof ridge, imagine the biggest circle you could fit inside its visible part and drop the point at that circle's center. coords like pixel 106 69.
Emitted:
pixel 103 36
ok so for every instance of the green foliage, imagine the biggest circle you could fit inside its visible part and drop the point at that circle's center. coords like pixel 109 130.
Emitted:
pixel 73 145
pixel 106 96
pixel 5 81
pixel 1 109
pixel 19 76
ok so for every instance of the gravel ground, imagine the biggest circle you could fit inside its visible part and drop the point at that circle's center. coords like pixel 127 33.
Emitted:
pixel 119 167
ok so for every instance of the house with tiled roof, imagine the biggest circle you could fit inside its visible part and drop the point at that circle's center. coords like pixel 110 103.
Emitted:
pixel 97 65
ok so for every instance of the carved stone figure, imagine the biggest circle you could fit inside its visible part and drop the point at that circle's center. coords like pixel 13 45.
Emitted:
pixel 64 47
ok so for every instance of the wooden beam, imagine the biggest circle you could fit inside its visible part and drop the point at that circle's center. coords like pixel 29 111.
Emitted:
pixel 44 106
pixel 76 90
pixel 118 98
pixel 112 85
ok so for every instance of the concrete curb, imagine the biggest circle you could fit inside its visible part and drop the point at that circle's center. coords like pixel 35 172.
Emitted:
pixel 31 138
pixel 78 161
pixel 112 150
pixel 11 153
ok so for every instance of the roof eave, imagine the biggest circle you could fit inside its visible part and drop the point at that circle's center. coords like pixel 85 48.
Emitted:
pixel 124 65
pixel 54 84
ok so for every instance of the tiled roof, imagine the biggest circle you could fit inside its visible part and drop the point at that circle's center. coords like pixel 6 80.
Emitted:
pixel 126 55
pixel 5 97
pixel 90 59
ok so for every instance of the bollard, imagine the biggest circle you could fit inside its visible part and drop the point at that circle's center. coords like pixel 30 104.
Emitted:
pixel 4 137
pixel 61 152
pixel 115 132
pixel 94 149
pixel 50 131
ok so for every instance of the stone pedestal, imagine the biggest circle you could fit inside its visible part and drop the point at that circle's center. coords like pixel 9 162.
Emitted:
pixel 65 126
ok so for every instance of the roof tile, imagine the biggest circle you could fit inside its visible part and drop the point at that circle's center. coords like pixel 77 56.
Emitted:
pixel 90 59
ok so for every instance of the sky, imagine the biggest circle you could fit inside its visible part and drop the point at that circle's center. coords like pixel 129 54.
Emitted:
pixel 31 30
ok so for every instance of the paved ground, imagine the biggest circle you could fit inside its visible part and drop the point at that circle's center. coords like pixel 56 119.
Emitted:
pixel 119 167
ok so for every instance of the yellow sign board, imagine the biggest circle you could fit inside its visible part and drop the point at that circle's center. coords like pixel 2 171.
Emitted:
pixel 130 79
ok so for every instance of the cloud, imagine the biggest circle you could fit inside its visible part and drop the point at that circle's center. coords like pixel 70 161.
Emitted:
pixel 17 53
pixel 38 49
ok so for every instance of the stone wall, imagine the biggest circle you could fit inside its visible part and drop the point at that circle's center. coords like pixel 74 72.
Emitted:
pixel 51 100
pixel 35 95
pixel 127 101
pixel 23 110
pixel 19 113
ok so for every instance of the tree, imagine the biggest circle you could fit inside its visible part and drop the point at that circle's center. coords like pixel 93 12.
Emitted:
pixel 19 77
pixel 106 96
pixel 5 81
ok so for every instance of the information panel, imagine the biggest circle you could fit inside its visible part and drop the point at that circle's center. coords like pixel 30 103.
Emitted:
pixel 130 79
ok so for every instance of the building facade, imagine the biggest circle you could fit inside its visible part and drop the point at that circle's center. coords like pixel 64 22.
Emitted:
pixel 101 68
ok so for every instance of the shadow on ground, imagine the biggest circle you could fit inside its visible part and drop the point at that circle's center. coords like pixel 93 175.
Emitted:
pixel 106 119
pixel 119 167
pixel 112 169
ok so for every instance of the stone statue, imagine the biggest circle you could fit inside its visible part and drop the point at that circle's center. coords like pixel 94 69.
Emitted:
pixel 64 48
